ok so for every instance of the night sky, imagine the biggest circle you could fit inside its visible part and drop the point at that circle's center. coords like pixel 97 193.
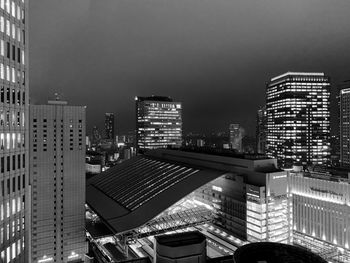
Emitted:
pixel 214 56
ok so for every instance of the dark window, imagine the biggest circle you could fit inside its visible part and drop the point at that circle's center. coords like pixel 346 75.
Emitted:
pixel 13 52
pixel 8 51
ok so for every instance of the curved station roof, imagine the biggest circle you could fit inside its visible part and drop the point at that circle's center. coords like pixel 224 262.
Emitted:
pixel 132 193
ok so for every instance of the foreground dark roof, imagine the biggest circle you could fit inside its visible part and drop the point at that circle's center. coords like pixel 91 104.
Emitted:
pixel 130 194
pixel 274 253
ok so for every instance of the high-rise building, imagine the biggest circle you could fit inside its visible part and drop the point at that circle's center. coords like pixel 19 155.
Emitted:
pixel 109 126
pixel 298 119
pixel 14 192
pixel 261 122
pixel 344 125
pixel 57 174
pixel 236 134
pixel 158 122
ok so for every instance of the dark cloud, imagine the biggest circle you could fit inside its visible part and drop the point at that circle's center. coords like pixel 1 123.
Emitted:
pixel 213 55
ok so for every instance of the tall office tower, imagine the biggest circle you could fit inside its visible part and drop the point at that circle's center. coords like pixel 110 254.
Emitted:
pixel 344 124
pixel 261 123
pixel 57 174
pixel 236 134
pixel 14 192
pixel 109 126
pixel 158 122
pixel 298 113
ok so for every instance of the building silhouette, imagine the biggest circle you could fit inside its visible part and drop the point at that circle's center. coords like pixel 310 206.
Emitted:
pixel 236 134
pixel 344 124
pixel 158 122
pixel 109 126
pixel 57 172
pixel 14 192
pixel 261 127
pixel 298 119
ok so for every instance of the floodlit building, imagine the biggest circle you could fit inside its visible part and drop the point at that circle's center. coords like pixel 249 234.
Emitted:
pixel 321 208
pixel 57 172
pixel 158 123
pixel 14 187
pixel 298 119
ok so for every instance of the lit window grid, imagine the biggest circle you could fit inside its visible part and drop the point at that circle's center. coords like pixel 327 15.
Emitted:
pixel 13 128
pixel 284 110
pixel 158 125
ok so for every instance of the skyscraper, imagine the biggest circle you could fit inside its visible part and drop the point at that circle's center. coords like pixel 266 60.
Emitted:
pixel 261 122
pixel 57 173
pixel 158 122
pixel 109 126
pixel 298 119
pixel 344 125
pixel 14 192
pixel 236 135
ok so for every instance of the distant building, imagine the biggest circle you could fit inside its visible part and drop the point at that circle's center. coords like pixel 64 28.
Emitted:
pixel 298 119
pixel 236 134
pixel 109 126
pixel 158 123
pixel 57 172
pixel 344 124
pixel 96 136
pixel 261 129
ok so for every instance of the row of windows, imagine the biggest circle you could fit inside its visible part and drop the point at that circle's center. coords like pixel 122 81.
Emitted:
pixel 16 54
pixel 11 74
pixel 14 97
pixel 12 9
pixel 11 141
pixel 11 253
pixel 13 207
pixel 7 165
pixel 11 29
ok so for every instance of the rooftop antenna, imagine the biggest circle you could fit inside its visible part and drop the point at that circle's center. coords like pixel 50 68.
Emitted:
pixel 57 96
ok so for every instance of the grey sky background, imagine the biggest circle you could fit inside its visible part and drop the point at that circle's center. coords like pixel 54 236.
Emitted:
pixel 213 55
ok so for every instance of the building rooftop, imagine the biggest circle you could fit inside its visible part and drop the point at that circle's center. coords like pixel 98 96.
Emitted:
pixel 269 252
pixel 181 239
pixel 155 98
pixel 308 74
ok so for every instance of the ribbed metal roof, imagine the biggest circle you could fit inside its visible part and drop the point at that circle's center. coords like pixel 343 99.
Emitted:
pixel 132 193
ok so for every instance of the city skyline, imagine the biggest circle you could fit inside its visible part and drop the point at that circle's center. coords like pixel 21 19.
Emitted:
pixel 219 51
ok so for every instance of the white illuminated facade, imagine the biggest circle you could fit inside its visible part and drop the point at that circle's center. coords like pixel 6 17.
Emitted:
pixel 268 210
pixel 14 189
pixel 57 175
pixel 345 127
pixel 321 209
pixel 158 123
pixel 298 119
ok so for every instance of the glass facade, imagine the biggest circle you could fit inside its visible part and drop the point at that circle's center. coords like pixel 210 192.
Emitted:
pixel 298 119
pixel 158 123
pixel 14 190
